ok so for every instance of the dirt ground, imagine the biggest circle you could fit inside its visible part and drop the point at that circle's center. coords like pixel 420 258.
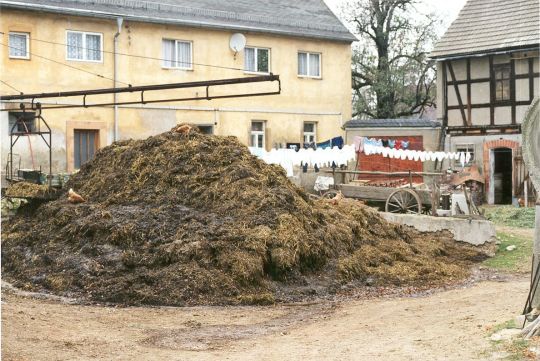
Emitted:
pixel 448 325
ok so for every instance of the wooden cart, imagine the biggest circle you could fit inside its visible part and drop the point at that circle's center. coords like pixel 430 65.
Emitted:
pixel 404 199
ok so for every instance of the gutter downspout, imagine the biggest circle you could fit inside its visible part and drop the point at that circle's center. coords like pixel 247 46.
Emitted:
pixel 119 22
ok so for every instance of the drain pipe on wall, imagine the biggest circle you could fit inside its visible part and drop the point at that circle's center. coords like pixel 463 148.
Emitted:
pixel 119 22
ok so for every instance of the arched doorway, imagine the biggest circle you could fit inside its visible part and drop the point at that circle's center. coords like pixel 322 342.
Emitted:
pixel 502 175
pixel 499 166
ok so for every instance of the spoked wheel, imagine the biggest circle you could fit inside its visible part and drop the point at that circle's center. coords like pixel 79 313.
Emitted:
pixel 404 201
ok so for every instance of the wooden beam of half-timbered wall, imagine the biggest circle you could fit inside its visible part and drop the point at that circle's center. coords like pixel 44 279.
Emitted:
pixel 491 91
pixel 531 79
pixel 513 89
pixel 469 109
pixel 458 94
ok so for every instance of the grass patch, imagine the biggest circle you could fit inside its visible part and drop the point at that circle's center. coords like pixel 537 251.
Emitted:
pixel 513 349
pixel 511 216
pixel 519 350
pixel 501 326
pixel 517 260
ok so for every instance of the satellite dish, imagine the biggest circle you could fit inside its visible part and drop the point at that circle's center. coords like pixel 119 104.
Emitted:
pixel 237 43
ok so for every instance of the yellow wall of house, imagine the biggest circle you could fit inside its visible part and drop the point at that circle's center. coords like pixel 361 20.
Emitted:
pixel 326 101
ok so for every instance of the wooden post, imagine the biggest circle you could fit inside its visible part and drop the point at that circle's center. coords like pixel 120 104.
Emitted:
pixel 535 302
pixel 526 192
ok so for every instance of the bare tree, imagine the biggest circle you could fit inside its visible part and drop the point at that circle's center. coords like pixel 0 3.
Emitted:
pixel 392 76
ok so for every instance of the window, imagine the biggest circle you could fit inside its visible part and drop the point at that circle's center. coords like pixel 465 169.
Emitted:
pixel 309 132
pixel 82 46
pixel 177 54
pixel 257 60
pixel 465 148
pixel 309 65
pixel 26 122
pixel 502 82
pixel 19 45
pixel 85 145
pixel 206 129
pixel 257 134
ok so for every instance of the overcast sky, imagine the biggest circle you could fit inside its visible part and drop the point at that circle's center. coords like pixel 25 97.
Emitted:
pixel 447 9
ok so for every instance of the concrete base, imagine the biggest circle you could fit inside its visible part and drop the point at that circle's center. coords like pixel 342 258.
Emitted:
pixel 475 232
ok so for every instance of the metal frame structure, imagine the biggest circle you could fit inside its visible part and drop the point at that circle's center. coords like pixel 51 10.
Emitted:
pixel 37 131
pixel 37 106
pixel 148 88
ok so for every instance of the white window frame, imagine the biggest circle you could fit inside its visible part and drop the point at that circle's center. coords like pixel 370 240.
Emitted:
pixel 175 60
pixel 257 48
pixel 257 133
pixel 27 36
pixel 309 54
pixel 310 134
pixel 470 148
pixel 84 47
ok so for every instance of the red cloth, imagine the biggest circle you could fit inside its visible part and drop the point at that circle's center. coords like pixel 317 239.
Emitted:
pixel 398 144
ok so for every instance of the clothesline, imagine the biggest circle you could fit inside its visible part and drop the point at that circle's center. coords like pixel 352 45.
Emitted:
pixel 399 150
pixel 288 158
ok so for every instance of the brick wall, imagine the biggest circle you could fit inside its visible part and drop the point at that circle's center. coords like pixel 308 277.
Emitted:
pixel 377 162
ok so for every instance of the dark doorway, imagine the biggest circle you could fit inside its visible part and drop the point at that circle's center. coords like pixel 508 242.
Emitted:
pixel 86 144
pixel 502 175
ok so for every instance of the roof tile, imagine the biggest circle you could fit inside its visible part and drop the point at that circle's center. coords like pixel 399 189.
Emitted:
pixel 485 26
pixel 306 18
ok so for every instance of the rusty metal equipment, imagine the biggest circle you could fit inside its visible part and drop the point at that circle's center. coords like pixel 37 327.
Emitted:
pixel 21 128
pixel 207 84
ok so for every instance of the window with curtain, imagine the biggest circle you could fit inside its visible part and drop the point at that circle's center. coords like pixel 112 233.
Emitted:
pixel 177 54
pixel 18 45
pixel 84 46
pixel 502 82
pixel 310 132
pixel 257 60
pixel 257 134
pixel 309 64
pixel 464 148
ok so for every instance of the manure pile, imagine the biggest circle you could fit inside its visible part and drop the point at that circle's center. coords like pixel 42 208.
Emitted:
pixel 186 219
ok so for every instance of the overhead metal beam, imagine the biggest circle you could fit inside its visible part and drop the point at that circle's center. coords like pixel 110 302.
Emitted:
pixel 132 89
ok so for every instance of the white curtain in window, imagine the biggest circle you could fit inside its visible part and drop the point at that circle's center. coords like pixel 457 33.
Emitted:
pixel 249 59
pixel 184 54
pixel 93 47
pixel 302 64
pixel 74 46
pixel 169 60
pixel 17 44
pixel 314 68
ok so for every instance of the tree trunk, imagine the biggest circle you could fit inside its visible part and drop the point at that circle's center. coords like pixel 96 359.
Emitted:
pixel 531 152
pixel 535 303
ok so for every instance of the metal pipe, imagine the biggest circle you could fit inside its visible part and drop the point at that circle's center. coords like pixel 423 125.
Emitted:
pixel 213 109
pixel 160 100
pixel 119 22
pixel 132 89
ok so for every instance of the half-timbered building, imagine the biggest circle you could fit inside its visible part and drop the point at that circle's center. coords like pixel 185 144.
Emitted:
pixel 488 75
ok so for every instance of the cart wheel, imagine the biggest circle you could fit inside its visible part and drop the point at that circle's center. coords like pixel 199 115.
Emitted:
pixel 330 194
pixel 404 201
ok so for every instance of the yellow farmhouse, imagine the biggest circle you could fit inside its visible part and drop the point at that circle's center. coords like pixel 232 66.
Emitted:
pixel 53 45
